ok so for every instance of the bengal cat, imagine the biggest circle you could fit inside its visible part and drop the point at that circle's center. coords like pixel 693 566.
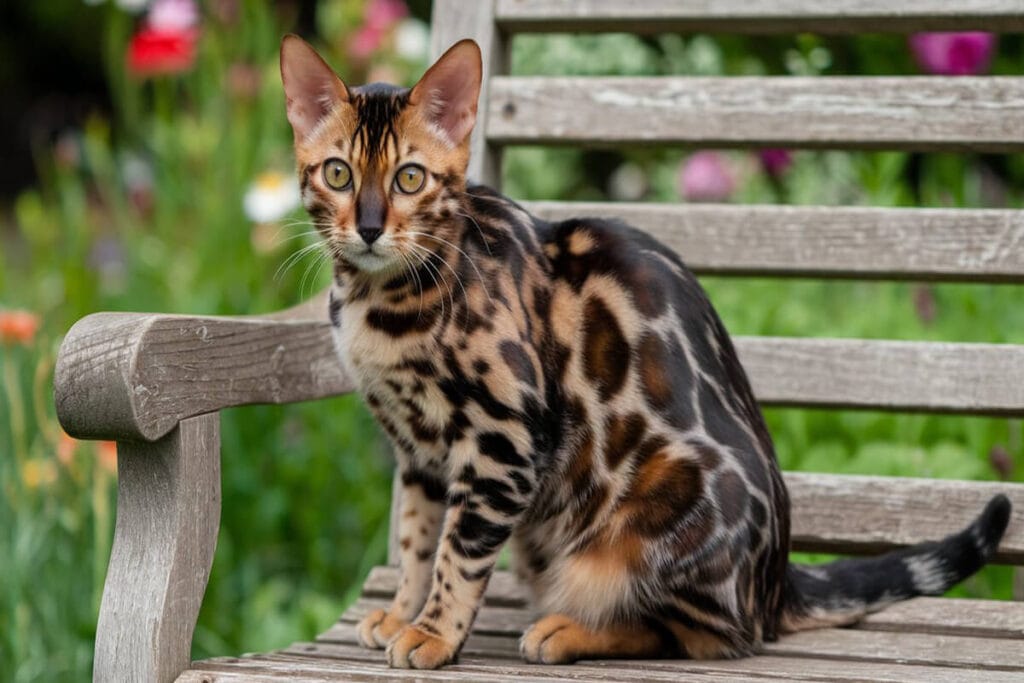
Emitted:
pixel 563 387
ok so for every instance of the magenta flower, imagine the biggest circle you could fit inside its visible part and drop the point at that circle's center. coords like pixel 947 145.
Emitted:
pixel 382 14
pixel 775 162
pixel 704 177
pixel 953 54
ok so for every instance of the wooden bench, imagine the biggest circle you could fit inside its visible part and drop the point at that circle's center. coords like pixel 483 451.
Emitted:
pixel 155 383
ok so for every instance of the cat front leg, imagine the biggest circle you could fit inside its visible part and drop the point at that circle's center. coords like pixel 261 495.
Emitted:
pixel 419 526
pixel 493 488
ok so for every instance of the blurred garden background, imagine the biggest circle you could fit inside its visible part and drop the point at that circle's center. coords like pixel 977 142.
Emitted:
pixel 146 165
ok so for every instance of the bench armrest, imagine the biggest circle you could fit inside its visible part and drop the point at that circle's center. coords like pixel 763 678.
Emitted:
pixel 154 383
pixel 135 376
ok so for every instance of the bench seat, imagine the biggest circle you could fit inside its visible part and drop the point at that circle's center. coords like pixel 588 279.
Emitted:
pixel 925 639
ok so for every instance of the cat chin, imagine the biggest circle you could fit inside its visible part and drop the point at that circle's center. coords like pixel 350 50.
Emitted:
pixel 372 263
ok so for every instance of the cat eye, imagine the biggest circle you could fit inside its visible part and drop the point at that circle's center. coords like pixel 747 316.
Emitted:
pixel 410 178
pixel 337 174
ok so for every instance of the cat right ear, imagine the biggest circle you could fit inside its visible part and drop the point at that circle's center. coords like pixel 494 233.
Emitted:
pixel 311 88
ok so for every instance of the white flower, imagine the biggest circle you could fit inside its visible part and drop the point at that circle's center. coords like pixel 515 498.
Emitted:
pixel 627 183
pixel 172 15
pixel 412 40
pixel 271 196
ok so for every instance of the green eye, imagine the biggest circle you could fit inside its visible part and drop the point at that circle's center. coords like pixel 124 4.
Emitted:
pixel 410 179
pixel 337 174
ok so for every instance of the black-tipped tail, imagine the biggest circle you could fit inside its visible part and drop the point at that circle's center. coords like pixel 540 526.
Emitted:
pixel 844 591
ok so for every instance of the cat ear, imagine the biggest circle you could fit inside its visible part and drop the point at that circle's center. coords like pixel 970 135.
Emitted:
pixel 311 88
pixel 449 91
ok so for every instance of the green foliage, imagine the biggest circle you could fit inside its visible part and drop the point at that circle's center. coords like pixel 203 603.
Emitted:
pixel 143 211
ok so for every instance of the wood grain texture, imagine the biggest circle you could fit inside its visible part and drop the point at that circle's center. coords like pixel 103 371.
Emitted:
pixel 959 617
pixel 815 664
pixel 135 376
pixel 886 375
pixel 499 654
pixel 873 653
pixel 759 16
pixel 858 514
pixel 917 112
pixel 805 241
pixel 168 514
pixel 453 20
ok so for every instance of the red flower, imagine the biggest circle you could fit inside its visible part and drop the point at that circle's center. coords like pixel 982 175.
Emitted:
pixel 18 326
pixel 154 52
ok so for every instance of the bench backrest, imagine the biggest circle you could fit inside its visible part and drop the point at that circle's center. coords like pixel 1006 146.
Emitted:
pixel 831 513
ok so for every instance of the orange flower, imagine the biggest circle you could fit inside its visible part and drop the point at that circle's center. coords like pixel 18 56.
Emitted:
pixel 66 448
pixel 107 452
pixel 18 326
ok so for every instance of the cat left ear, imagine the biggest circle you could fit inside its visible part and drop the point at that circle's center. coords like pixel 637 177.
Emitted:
pixel 311 88
pixel 449 91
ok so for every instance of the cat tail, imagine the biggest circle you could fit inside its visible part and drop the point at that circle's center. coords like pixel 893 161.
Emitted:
pixel 842 592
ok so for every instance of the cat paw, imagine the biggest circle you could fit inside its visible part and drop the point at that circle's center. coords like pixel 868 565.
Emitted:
pixel 377 628
pixel 415 648
pixel 552 640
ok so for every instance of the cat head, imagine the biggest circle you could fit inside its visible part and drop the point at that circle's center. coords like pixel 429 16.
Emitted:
pixel 380 166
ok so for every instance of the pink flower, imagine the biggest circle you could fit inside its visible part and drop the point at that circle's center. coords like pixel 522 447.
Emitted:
pixel 365 42
pixel 953 54
pixel 382 14
pixel 172 15
pixel 704 177
pixel 153 52
pixel 775 162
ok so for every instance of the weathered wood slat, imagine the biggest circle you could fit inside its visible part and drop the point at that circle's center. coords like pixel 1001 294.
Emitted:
pixel 132 376
pixel 886 375
pixel 963 617
pixel 454 20
pixel 348 664
pixel 975 618
pixel 849 645
pixel 504 589
pixel 758 16
pixel 902 648
pixel 168 514
pixel 484 654
pixel 919 112
pixel 802 241
pixel 135 376
pixel 857 514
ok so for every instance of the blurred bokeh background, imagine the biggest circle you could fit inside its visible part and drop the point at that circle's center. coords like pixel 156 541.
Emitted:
pixel 145 164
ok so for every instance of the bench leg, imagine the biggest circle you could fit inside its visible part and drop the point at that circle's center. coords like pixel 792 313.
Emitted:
pixel 168 515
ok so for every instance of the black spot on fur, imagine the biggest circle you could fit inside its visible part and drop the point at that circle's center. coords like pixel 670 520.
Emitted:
pixel 605 350
pixel 518 361
pixel 498 448
pixel 475 536
pixel 397 324
pixel 334 309
pixel 433 488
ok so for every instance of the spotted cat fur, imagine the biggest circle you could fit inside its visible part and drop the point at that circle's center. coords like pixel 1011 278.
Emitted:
pixel 563 388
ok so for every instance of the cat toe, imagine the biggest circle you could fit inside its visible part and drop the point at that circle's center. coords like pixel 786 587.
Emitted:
pixel 365 629
pixel 414 648
pixel 550 641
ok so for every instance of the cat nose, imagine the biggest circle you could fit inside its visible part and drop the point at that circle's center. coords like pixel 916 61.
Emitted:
pixel 370 235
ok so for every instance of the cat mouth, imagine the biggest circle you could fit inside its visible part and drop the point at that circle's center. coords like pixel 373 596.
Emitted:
pixel 371 260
